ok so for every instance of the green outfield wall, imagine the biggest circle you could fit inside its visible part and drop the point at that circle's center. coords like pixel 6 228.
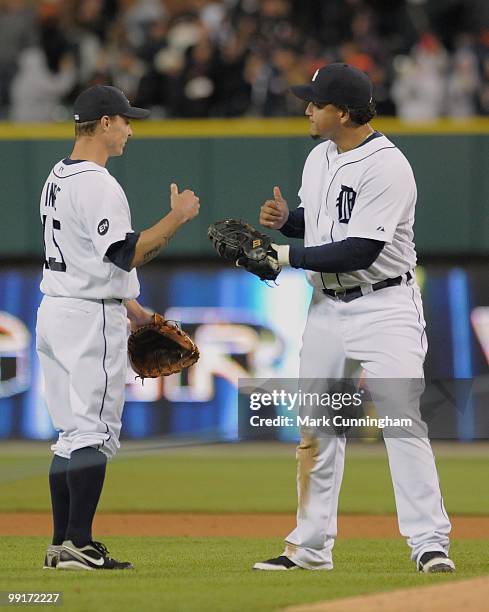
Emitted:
pixel 233 165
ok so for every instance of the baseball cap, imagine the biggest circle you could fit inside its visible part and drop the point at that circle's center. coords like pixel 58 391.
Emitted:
pixel 339 84
pixel 100 100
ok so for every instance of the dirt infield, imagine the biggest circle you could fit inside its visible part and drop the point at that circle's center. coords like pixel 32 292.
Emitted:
pixel 226 525
pixel 468 595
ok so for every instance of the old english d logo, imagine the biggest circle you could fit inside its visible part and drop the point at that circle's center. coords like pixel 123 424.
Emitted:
pixel 345 203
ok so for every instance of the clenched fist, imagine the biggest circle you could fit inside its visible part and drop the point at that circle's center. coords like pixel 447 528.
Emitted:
pixel 274 213
pixel 185 204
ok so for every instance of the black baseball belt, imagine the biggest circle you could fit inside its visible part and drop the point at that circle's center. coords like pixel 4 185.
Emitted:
pixel 348 295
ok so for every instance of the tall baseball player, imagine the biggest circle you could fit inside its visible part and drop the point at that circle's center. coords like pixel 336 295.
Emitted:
pixel 90 287
pixel 356 217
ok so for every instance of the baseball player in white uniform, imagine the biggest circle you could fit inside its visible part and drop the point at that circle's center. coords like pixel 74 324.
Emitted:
pixel 356 215
pixel 90 287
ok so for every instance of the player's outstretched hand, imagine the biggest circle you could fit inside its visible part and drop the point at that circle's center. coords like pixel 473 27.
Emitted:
pixel 186 204
pixel 274 213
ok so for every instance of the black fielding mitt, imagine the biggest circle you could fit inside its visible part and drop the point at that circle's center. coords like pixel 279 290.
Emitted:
pixel 244 245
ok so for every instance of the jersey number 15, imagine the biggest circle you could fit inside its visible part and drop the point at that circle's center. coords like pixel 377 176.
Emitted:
pixel 51 246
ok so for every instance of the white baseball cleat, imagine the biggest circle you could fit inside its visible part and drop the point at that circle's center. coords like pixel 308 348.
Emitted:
pixel 435 562
pixel 52 556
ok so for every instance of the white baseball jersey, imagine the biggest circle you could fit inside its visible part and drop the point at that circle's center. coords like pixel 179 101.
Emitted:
pixel 368 192
pixel 83 211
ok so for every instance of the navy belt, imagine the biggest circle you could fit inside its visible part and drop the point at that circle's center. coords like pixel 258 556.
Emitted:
pixel 348 295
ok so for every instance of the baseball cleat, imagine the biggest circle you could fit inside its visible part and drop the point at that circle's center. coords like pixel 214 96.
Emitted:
pixel 52 556
pixel 435 563
pixel 276 564
pixel 93 556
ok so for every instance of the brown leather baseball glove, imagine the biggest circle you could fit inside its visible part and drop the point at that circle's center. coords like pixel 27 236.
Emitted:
pixel 160 349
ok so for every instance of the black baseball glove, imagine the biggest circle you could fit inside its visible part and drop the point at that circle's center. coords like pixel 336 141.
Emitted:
pixel 241 243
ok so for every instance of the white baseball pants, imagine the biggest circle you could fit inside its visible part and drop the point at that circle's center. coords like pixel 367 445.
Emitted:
pixel 381 333
pixel 82 347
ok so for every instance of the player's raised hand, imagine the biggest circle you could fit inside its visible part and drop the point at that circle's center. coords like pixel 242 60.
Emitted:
pixel 274 213
pixel 185 204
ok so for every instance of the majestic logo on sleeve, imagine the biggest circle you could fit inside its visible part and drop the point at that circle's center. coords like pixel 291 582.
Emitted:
pixel 103 227
pixel 345 203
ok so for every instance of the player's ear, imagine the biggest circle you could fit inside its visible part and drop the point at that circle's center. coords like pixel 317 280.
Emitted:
pixel 343 115
pixel 105 122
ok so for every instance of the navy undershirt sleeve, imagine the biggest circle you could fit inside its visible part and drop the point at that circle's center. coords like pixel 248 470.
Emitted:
pixel 345 256
pixel 121 253
pixel 294 228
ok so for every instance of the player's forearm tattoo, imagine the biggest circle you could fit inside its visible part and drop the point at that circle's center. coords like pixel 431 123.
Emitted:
pixel 151 254
pixel 154 252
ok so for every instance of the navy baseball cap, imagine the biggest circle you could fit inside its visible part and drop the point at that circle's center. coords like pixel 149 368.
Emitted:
pixel 101 100
pixel 338 84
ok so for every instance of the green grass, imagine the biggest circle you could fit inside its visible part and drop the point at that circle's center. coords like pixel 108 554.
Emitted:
pixel 214 574
pixel 230 479
pixel 203 574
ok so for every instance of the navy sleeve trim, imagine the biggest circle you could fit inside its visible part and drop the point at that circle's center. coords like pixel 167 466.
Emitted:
pixel 345 256
pixel 121 253
pixel 295 226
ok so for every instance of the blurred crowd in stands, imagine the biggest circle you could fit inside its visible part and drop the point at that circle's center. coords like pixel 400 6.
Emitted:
pixel 229 58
